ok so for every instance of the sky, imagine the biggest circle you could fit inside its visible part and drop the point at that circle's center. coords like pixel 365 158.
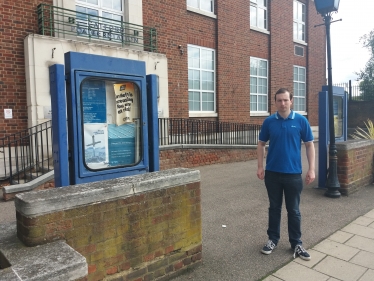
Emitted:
pixel 348 55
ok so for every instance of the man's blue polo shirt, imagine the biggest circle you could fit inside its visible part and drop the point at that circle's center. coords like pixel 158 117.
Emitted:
pixel 284 136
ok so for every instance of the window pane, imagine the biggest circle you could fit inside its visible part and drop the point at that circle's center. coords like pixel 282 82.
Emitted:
pixel 207 101
pixel 207 60
pixel 253 85
pixel 106 3
pixel 193 3
pixel 261 18
pixel 117 5
pixel 302 74
pixel 263 69
pixel 254 66
pixel 253 103
pixel 92 2
pixel 193 101
pixel 295 74
pixel 206 5
pixel 253 16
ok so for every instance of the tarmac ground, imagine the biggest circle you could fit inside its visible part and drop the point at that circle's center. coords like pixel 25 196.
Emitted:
pixel 234 222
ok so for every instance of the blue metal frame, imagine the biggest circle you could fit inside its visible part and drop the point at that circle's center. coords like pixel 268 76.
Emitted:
pixel 323 132
pixel 79 66
pixel 152 95
pixel 59 127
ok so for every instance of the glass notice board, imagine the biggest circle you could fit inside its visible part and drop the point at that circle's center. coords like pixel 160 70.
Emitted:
pixel 111 123
pixel 338 116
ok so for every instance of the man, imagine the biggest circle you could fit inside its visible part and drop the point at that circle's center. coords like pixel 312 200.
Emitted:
pixel 285 130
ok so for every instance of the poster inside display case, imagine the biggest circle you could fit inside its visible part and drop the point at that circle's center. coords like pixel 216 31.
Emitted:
pixel 111 118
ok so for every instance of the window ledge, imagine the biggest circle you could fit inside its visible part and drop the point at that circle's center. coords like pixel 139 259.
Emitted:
pixel 302 112
pixel 300 42
pixel 259 114
pixel 201 12
pixel 203 114
pixel 255 28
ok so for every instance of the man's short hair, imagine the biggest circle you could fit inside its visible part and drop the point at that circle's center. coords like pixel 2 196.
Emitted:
pixel 283 91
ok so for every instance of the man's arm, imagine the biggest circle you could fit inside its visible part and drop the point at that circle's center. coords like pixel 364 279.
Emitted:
pixel 260 159
pixel 311 156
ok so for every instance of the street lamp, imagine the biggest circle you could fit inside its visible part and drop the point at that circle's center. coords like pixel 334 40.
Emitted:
pixel 326 8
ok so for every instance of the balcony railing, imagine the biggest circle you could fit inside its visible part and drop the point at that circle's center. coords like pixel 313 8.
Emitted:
pixel 59 22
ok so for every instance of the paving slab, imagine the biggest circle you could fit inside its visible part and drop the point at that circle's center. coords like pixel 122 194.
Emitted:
pixel 341 236
pixel 360 230
pixel 365 259
pixel 361 243
pixel 368 276
pixel 296 272
pixel 340 269
pixel 337 250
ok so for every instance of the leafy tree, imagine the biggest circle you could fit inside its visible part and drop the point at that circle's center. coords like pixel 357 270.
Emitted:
pixel 366 75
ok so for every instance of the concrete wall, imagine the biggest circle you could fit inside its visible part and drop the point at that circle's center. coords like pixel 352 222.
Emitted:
pixel 38 58
pixel 146 226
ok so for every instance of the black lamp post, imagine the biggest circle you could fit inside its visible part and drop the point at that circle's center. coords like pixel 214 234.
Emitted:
pixel 326 8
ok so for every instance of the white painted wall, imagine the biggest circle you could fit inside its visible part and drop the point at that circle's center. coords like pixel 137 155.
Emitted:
pixel 43 51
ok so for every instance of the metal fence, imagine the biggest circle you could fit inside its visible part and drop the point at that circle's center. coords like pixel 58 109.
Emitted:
pixel 358 92
pixel 27 154
pixel 59 22
pixel 191 131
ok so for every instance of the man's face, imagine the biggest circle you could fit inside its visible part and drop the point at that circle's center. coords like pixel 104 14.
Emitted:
pixel 283 102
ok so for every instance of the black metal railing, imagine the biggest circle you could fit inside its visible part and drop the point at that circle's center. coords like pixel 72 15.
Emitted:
pixel 27 154
pixel 358 92
pixel 191 131
pixel 59 22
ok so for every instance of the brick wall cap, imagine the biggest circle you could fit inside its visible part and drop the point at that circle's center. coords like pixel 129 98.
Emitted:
pixel 36 203
pixel 52 261
pixel 353 144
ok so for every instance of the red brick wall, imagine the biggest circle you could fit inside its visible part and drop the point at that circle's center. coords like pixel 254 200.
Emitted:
pixel 177 26
pixel 147 236
pixel 235 43
pixel 355 165
pixel 194 157
pixel 17 19
pixel 233 56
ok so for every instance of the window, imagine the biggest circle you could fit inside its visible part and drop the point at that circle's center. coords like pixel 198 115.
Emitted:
pixel 258 13
pixel 92 26
pixel 204 5
pixel 299 88
pixel 259 85
pixel 201 79
pixel 298 21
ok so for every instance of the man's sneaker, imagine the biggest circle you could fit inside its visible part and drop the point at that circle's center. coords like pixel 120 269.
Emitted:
pixel 268 248
pixel 301 252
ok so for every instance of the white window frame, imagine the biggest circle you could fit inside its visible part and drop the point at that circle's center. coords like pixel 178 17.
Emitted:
pixel 99 7
pixel 201 90
pixel 198 4
pixel 258 77
pixel 299 21
pixel 254 4
pixel 299 96
pixel 94 27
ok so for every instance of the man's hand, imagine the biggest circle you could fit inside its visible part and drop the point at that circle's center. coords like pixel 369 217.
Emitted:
pixel 310 176
pixel 260 173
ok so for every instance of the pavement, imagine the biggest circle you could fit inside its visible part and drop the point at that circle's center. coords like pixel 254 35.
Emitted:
pixel 338 233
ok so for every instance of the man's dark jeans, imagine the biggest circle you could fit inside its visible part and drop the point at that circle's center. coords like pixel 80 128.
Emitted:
pixel 291 185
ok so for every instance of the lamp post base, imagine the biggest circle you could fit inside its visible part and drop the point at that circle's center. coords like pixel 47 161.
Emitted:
pixel 332 193
pixel 332 183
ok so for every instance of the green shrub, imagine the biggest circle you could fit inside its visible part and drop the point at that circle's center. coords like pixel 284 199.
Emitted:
pixel 361 133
